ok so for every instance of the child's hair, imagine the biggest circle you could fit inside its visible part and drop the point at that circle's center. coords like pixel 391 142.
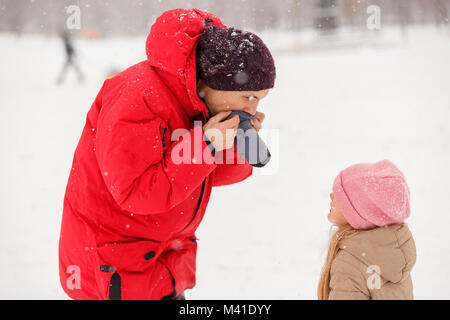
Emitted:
pixel 343 232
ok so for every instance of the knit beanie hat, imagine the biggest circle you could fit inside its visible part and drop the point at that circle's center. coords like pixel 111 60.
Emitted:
pixel 372 195
pixel 229 59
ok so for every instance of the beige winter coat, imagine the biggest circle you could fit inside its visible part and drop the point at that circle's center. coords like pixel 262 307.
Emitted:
pixel 374 264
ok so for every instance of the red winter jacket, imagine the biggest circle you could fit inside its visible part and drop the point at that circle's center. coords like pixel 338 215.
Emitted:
pixel 130 211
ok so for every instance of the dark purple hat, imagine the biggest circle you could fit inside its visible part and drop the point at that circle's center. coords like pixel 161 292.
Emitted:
pixel 234 60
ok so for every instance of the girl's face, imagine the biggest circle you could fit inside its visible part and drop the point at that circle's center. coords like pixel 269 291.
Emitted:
pixel 335 216
pixel 218 100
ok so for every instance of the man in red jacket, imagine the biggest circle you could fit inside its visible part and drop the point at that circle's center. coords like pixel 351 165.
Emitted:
pixel 131 207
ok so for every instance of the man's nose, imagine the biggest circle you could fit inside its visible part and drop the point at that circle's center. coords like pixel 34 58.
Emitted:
pixel 252 109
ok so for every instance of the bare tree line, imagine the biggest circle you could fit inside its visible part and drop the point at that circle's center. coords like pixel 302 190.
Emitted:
pixel 134 17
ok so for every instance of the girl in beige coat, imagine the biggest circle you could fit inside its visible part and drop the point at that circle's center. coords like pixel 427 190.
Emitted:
pixel 371 254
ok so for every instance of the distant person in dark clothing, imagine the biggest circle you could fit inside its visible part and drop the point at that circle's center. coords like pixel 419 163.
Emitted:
pixel 70 60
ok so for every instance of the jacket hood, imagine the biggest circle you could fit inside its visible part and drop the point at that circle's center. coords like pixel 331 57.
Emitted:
pixel 391 248
pixel 170 48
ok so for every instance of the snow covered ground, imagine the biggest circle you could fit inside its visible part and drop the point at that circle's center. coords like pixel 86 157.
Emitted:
pixel 381 99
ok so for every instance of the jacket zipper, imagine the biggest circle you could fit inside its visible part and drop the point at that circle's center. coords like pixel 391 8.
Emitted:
pixel 198 205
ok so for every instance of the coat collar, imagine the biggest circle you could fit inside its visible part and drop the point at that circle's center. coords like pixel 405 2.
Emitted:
pixel 391 248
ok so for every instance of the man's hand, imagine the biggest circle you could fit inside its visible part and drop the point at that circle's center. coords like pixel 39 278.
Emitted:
pixel 221 134
pixel 257 121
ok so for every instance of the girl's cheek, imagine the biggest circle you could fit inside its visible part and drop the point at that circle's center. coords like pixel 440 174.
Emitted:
pixel 343 220
pixel 330 216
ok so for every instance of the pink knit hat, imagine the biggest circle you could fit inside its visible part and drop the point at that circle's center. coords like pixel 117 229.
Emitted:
pixel 372 195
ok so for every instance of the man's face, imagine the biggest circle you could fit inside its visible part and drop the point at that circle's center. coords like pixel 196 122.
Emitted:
pixel 218 100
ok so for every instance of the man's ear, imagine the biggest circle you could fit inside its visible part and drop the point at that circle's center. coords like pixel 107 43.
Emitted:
pixel 201 86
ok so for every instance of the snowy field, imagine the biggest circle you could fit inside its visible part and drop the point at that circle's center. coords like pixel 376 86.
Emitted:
pixel 362 100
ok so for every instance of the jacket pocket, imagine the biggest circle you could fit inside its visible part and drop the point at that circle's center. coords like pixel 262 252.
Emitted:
pixel 135 256
pixel 114 260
